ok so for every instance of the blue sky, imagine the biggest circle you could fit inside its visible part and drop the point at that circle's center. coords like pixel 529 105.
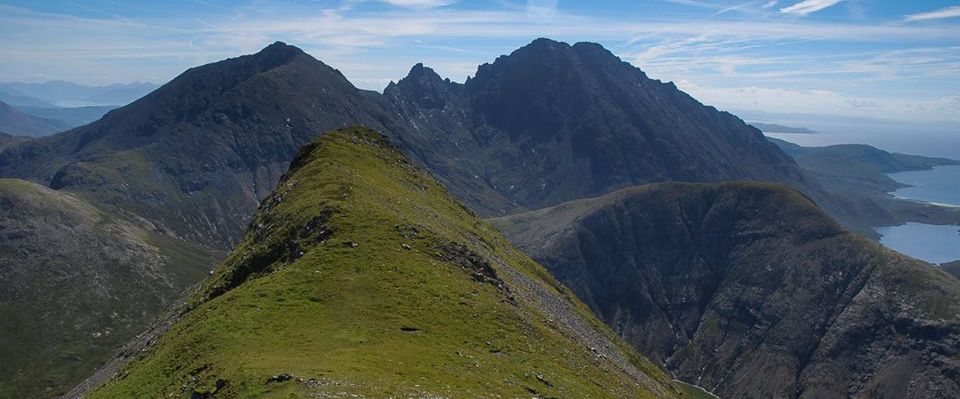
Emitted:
pixel 866 58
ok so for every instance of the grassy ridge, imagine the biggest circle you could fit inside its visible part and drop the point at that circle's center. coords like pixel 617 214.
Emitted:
pixel 361 276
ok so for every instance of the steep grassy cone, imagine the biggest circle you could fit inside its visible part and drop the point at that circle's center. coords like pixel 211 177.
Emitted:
pixel 361 276
pixel 750 290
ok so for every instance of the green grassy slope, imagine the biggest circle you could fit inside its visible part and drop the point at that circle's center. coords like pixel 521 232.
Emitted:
pixel 75 284
pixel 361 276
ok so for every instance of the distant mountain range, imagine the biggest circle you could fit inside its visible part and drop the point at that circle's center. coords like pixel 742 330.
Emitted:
pixel 67 105
pixel 60 94
pixel 550 123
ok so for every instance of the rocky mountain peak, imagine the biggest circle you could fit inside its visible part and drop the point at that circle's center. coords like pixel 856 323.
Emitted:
pixel 280 50
pixel 423 86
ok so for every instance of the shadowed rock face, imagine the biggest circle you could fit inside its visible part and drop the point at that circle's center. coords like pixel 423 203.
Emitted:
pixel 751 291
pixel 553 122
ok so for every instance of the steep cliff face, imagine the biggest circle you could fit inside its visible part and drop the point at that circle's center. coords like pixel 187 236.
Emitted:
pixel 553 122
pixel 76 283
pixel 360 276
pixel 751 291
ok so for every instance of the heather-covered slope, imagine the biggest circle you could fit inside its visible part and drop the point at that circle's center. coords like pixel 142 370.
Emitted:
pixel 196 155
pixel 76 283
pixel 751 291
pixel 553 122
pixel 360 276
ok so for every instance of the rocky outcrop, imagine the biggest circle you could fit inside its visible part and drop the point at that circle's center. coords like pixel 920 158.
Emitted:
pixel 750 291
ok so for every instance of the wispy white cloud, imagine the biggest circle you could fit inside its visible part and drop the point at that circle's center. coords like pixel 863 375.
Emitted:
pixel 735 7
pixel 769 4
pixel 808 6
pixel 541 10
pixel 949 12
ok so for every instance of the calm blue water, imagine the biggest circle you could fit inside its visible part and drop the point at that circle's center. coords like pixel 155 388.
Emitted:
pixel 940 185
pixel 935 244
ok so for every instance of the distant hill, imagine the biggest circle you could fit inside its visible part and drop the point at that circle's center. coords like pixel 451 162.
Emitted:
pixel 774 128
pixel 361 277
pixel 16 122
pixel 752 291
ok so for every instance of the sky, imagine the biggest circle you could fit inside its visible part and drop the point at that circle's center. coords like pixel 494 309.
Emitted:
pixel 854 58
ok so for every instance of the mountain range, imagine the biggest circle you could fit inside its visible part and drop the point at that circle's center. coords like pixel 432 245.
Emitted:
pixel 180 173
pixel 552 122
pixel 58 93
pixel 199 152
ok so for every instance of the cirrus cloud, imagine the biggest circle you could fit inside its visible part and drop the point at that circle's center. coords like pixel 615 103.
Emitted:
pixel 949 12
pixel 808 6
